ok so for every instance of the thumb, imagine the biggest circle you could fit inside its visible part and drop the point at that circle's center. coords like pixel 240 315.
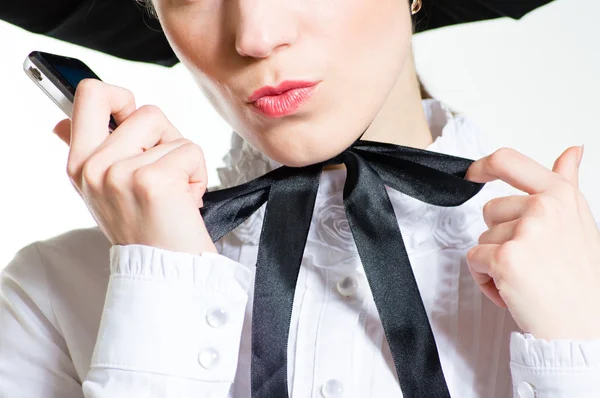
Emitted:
pixel 567 164
pixel 63 131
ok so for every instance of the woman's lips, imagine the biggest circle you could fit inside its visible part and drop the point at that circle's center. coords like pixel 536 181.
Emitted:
pixel 282 100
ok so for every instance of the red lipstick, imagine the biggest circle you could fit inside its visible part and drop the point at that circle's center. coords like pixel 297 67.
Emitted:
pixel 282 100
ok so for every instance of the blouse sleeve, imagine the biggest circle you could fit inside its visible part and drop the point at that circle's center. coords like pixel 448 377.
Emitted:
pixel 171 325
pixel 554 369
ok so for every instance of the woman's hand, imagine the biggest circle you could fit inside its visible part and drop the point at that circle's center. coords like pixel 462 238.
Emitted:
pixel 541 254
pixel 143 183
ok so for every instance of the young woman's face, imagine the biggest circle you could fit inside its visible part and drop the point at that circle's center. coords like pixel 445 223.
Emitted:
pixel 350 53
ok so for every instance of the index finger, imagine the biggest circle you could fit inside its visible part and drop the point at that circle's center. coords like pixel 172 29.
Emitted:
pixel 95 101
pixel 515 169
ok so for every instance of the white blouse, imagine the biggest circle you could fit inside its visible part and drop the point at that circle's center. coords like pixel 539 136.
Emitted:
pixel 82 318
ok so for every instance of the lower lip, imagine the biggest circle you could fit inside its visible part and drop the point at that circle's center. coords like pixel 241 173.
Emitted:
pixel 283 104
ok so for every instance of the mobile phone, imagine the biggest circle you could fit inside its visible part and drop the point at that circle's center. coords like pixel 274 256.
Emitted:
pixel 58 76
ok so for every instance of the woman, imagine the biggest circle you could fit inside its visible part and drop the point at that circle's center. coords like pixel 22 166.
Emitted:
pixel 147 305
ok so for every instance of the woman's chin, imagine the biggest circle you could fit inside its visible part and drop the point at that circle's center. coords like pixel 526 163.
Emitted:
pixel 300 142
pixel 303 157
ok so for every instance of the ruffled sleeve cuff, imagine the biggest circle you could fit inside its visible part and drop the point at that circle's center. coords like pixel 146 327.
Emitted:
pixel 554 369
pixel 208 270
pixel 172 314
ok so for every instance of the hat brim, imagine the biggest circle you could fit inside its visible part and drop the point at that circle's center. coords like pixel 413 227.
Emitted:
pixel 124 29
pixel 436 14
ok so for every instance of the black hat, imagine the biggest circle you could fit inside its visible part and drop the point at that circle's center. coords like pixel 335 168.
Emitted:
pixel 124 28
pixel 439 13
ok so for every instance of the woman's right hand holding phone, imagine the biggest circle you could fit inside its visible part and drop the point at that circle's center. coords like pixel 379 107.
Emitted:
pixel 144 183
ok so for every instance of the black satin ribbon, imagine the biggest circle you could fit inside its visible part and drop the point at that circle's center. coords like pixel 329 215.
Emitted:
pixel 290 193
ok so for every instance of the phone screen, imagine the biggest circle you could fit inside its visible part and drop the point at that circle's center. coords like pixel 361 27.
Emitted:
pixel 74 75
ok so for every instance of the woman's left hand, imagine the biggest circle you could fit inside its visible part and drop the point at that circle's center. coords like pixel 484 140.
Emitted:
pixel 540 257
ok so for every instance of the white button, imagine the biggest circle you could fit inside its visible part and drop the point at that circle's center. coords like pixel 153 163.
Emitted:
pixel 216 317
pixel 333 389
pixel 525 390
pixel 208 358
pixel 347 286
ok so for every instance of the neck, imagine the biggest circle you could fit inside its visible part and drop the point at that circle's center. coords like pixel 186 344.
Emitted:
pixel 401 120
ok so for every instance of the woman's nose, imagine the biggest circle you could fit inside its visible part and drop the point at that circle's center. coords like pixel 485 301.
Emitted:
pixel 264 26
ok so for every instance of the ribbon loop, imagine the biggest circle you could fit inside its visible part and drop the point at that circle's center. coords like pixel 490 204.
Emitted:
pixel 438 181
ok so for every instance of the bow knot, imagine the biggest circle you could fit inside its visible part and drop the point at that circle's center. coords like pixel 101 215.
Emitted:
pixel 290 194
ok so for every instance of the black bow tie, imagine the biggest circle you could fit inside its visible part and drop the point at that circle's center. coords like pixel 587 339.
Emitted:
pixel 290 193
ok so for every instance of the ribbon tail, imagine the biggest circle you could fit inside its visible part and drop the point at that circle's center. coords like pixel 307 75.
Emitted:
pixel 389 273
pixel 283 238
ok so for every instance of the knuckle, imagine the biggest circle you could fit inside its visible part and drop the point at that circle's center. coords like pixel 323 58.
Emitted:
pixel 505 257
pixel 484 238
pixel 500 156
pixel 195 149
pixel 116 175
pixel 488 207
pixel 145 183
pixel 506 151
pixel 471 254
pixel 543 204
pixel 128 94
pixel 500 160
pixel 488 211
pixel 506 253
pixel 527 226
pixel 72 171
pixel 191 148
pixel 151 111
pixel 91 173
pixel 183 141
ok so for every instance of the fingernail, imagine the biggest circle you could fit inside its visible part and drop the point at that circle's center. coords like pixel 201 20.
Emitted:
pixel 580 156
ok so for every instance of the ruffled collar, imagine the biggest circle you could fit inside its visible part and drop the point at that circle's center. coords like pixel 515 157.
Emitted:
pixel 421 224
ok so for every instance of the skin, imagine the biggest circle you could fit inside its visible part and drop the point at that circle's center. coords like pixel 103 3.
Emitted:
pixel 367 71
pixel 144 182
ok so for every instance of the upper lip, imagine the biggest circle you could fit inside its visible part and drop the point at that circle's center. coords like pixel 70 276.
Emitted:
pixel 280 89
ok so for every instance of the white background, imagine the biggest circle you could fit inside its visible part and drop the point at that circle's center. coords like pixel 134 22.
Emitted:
pixel 531 84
